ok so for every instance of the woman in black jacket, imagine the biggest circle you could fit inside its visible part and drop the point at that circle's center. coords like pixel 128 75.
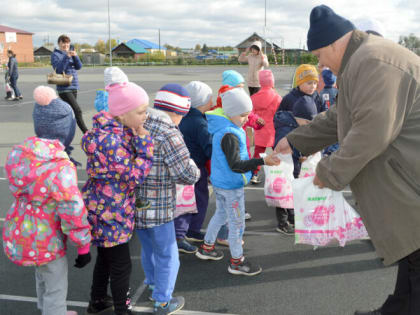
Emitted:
pixel 14 75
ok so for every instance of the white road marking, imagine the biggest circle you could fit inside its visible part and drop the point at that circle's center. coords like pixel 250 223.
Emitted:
pixel 85 304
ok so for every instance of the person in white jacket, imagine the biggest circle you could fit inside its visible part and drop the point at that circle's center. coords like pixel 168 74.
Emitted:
pixel 256 61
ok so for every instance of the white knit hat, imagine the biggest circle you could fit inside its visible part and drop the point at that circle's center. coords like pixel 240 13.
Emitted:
pixel 113 75
pixel 200 93
pixel 236 102
pixel 366 24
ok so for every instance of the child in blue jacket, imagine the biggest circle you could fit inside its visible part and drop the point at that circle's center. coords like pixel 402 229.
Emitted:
pixel 231 171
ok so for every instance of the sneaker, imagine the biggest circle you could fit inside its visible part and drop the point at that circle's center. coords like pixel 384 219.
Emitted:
pixel 244 268
pixel 174 305
pixel 194 237
pixel 248 216
pixel 10 98
pixel 255 180
pixel 210 253
pixel 223 242
pixel 127 312
pixel 185 247
pixel 374 312
pixel 100 306
pixel 16 99
pixel 286 229
pixel 20 97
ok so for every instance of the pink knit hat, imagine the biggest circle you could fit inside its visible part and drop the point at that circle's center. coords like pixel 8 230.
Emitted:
pixel 125 97
pixel 266 78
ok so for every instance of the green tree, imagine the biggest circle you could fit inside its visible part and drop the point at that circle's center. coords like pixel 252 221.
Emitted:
pixel 411 42
pixel 197 47
pixel 205 49
pixel 100 46
pixel 113 44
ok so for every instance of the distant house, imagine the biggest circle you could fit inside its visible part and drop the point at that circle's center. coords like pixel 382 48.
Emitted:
pixel 265 44
pixel 147 45
pixel 42 52
pixel 17 40
pixel 129 50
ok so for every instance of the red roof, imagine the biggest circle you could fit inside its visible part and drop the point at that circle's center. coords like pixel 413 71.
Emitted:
pixel 4 29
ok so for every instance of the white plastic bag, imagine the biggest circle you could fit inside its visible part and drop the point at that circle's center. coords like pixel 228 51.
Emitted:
pixel 185 200
pixel 322 215
pixel 278 183
pixel 308 167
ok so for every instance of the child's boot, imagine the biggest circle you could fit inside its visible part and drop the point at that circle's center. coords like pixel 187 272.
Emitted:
pixel 99 306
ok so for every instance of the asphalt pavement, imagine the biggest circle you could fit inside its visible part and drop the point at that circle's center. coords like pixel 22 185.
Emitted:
pixel 296 279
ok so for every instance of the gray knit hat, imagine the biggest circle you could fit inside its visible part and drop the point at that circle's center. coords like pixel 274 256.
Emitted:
pixel 236 102
pixel 200 93
pixel 53 118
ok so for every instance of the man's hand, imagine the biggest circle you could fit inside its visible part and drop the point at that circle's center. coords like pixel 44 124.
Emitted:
pixel 272 159
pixel 283 146
pixel 317 182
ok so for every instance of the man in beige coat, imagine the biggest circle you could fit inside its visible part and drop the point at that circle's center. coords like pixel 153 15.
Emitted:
pixel 377 123
pixel 256 61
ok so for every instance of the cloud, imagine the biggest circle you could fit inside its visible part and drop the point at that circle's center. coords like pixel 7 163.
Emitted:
pixel 185 23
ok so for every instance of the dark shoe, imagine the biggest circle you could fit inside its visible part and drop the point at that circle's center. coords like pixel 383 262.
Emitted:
pixel 255 180
pixel 244 268
pixel 194 237
pixel 127 312
pixel 100 306
pixel 208 252
pixel 374 312
pixel 20 97
pixel 185 247
pixel 174 305
pixel 16 99
pixel 286 229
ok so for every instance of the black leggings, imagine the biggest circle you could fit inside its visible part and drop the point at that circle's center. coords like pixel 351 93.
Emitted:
pixel 71 98
pixel 113 264
pixel 406 297
pixel 253 89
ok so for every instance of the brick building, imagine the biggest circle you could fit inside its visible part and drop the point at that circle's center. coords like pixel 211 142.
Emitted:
pixel 17 40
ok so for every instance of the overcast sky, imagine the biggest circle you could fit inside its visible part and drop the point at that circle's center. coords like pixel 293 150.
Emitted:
pixel 185 23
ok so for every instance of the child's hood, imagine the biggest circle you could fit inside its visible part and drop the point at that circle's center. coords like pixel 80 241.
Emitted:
pixel 34 156
pixel 217 120
pixel 104 121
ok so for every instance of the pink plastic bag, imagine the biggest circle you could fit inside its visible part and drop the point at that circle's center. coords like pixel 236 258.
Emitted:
pixel 278 183
pixel 185 200
pixel 323 215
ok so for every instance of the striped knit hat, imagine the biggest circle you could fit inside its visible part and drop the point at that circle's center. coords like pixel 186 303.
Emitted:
pixel 173 98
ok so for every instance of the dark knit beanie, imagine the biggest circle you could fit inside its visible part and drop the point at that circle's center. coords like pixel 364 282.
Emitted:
pixel 53 118
pixel 326 27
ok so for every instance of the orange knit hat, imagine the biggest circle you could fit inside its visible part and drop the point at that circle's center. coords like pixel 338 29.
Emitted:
pixel 305 73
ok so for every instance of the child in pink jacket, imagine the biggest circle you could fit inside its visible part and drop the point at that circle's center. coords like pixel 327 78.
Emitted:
pixel 48 207
pixel 265 102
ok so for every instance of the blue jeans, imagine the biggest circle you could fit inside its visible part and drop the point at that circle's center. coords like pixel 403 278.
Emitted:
pixel 13 84
pixel 160 260
pixel 230 207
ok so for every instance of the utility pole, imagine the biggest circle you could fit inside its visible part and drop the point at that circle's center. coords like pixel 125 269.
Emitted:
pixel 109 37
pixel 265 27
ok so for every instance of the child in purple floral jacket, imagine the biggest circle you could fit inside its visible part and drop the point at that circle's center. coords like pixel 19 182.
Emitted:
pixel 120 154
